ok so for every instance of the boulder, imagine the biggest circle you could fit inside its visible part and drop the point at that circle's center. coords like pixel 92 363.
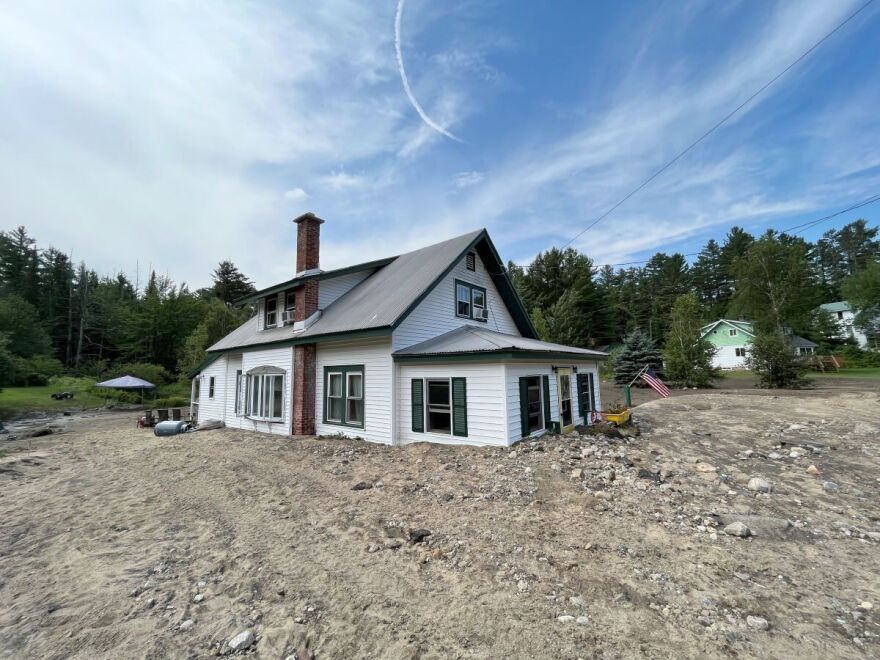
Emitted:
pixel 241 641
pixel 759 485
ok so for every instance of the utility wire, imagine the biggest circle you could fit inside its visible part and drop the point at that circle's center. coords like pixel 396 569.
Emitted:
pixel 720 123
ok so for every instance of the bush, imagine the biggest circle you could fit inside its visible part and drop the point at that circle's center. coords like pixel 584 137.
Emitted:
pixel 171 402
pixel 772 360
pixel 855 357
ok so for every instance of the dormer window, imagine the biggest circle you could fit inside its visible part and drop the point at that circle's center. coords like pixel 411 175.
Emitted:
pixel 289 308
pixel 271 312
pixel 470 261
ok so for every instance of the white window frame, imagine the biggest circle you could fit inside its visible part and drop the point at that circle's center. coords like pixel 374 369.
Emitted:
pixel 349 397
pixel 438 407
pixel 289 306
pixel 239 378
pixel 210 387
pixel 474 306
pixel 341 396
pixel 274 312
pixel 262 384
pixel 466 290
pixel 740 352
pixel 345 373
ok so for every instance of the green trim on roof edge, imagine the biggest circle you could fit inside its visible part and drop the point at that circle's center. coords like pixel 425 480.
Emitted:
pixel 492 356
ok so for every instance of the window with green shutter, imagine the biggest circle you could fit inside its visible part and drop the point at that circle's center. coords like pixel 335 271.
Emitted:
pixel 418 405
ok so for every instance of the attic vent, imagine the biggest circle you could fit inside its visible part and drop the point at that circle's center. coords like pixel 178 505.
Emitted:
pixel 471 261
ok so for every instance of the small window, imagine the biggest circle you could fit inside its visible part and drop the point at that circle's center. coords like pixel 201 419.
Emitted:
pixel 536 407
pixel 471 261
pixel 211 387
pixel 238 380
pixel 439 407
pixel 271 312
pixel 344 395
pixel 470 301
pixel 740 352
pixel 733 332
pixel 289 308
pixel 463 300
pixel 839 316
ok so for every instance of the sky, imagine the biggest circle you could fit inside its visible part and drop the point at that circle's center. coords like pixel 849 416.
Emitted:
pixel 173 134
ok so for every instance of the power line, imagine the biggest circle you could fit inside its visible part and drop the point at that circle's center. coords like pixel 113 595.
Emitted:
pixel 802 227
pixel 718 125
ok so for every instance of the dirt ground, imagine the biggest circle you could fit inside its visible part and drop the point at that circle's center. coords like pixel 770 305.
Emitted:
pixel 115 543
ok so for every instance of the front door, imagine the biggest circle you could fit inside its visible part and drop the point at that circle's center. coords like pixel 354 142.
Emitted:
pixel 565 398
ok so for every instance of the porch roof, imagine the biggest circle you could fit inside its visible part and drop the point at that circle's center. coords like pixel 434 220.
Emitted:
pixel 470 340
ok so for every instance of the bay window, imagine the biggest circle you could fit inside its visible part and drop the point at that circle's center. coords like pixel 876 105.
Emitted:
pixel 265 394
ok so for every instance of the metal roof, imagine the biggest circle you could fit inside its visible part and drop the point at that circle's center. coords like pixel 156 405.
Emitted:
pixel 801 342
pixel 127 383
pixel 834 307
pixel 470 339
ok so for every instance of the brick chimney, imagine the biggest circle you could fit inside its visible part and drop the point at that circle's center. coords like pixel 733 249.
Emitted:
pixel 308 247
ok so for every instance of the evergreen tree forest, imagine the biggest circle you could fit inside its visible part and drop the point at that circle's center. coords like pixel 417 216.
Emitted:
pixel 774 280
pixel 60 317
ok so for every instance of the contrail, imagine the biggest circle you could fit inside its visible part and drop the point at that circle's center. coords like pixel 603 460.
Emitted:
pixel 409 94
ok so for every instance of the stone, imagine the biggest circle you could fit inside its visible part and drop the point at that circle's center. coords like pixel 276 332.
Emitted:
pixel 362 485
pixel 774 455
pixel 418 535
pixel 437 553
pixel 577 601
pixel 865 606
pixel 577 473
pixel 582 620
pixel 705 467
pixel 241 641
pixel 739 529
pixel 813 470
pixel 522 585
pixel 511 454
pixel 374 547
pixel 565 618
pixel 393 544
pixel 187 625
pixel 757 622
pixel 830 487
pixel 198 598
pixel 759 485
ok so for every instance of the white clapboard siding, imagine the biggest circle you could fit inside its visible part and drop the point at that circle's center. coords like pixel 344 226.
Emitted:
pixel 726 358
pixel 436 313
pixel 332 288
pixel 233 364
pixel 485 402
pixel 375 356
pixel 274 357
pixel 514 371
pixel 212 407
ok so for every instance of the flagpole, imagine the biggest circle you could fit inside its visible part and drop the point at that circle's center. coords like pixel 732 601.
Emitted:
pixel 638 375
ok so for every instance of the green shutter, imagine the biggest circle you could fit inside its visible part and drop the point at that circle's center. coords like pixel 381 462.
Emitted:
pixel 592 391
pixel 580 393
pixel 546 383
pixel 524 405
pixel 459 407
pixel 418 405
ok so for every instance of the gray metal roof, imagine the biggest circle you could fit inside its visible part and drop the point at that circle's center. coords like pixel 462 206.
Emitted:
pixel 798 342
pixel 470 339
pixel 377 302
pixel 842 306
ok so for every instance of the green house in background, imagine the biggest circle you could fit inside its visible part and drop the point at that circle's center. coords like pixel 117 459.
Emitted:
pixel 731 340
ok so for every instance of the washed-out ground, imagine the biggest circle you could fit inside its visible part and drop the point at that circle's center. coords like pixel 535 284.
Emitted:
pixel 115 543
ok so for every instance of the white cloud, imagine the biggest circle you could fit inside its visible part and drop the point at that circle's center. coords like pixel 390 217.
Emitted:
pixel 467 179
pixel 296 195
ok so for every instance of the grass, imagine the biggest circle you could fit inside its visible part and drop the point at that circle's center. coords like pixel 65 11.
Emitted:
pixel 16 401
pixel 862 372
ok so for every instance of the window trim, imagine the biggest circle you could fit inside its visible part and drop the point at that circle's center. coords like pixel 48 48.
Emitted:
pixel 732 332
pixel 541 418
pixel 471 288
pixel 427 405
pixel 289 307
pixel 256 384
pixel 344 371
pixel 740 351
pixel 239 376
pixel 274 312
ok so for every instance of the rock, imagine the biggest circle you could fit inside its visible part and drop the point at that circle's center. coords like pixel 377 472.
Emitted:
pixel 705 467
pixel 362 485
pixel 393 544
pixel 830 487
pixel 511 454
pixel 198 598
pixel 759 485
pixel 522 585
pixel 582 620
pixel 739 529
pixel 577 601
pixel 757 622
pixel 151 603
pixel 774 455
pixel 644 473
pixel 437 553
pixel 577 473
pixel 865 606
pixel 813 470
pixel 864 429
pixel 186 625
pixel 374 547
pixel 241 641
pixel 418 535
pixel 565 618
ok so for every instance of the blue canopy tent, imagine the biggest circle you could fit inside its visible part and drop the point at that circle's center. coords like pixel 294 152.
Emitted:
pixel 128 383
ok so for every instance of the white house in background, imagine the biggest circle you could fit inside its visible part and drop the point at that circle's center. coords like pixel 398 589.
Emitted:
pixel 731 340
pixel 432 345
pixel 845 317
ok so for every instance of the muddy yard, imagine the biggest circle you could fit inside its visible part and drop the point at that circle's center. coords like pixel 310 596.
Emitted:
pixel 117 544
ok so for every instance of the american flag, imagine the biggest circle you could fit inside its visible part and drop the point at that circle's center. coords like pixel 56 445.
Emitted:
pixel 654 381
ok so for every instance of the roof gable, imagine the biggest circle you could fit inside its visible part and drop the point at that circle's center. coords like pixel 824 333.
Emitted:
pixel 740 326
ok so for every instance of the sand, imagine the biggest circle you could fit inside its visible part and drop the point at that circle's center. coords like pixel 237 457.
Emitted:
pixel 108 535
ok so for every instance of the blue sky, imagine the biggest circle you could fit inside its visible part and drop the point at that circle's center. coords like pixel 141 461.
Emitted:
pixel 175 134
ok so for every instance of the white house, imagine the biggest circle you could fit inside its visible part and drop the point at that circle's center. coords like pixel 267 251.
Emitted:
pixel 845 317
pixel 432 345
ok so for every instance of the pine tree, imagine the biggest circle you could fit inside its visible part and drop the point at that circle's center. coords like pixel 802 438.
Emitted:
pixel 688 357
pixel 638 351
pixel 230 284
